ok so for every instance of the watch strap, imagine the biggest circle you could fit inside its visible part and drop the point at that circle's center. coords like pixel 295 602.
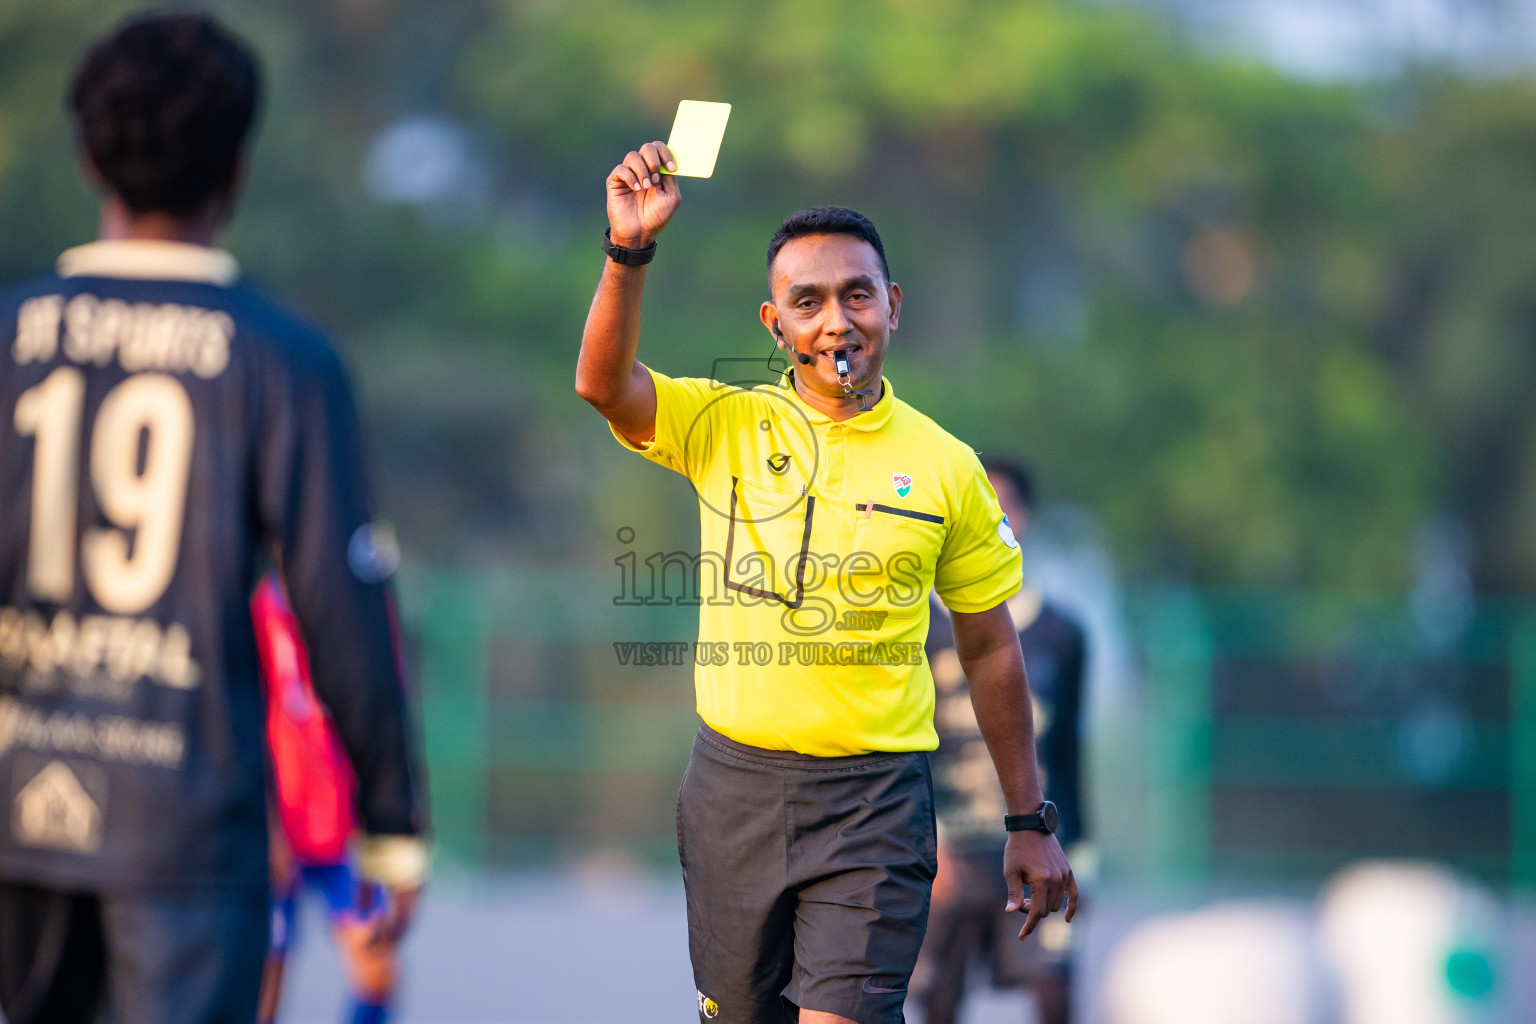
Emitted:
pixel 1043 820
pixel 624 256
pixel 1024 822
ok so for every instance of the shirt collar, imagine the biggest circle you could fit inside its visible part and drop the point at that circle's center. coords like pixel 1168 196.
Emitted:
pixel 143 259
pixel 874 419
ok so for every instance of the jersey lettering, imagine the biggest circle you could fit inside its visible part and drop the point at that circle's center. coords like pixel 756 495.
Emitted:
pixel 141 336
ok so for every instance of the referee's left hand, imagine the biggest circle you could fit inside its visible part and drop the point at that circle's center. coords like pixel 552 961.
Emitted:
pixel 1033 862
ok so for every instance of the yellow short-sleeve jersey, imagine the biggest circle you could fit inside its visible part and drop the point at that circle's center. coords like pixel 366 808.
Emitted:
pixel 820 542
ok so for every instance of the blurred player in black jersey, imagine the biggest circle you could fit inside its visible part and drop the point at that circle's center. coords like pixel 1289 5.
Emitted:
pixel 164 429
pixel 967 918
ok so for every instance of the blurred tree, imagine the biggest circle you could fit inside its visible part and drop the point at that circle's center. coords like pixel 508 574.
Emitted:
pixel 1106 241
pixel 1263 328
pixel 1455 300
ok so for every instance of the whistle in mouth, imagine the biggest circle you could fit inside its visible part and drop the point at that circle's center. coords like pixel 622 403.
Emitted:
pixel 840 362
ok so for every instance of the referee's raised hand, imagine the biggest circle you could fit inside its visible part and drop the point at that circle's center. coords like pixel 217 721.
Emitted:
pixel 641 200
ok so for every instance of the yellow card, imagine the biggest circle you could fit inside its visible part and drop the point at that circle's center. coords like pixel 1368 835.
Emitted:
pixel 696 135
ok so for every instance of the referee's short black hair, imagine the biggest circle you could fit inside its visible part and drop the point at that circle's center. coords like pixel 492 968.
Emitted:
pixel 1017 474
pixel 828 220
pixel 163 106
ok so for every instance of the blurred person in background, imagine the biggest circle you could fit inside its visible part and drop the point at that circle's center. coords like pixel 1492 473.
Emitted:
pixel 966 921
pixel 314 790
pixel 165 428
pixel 805 819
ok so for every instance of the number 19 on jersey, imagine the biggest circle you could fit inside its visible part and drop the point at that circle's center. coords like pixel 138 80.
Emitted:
pixel 138 462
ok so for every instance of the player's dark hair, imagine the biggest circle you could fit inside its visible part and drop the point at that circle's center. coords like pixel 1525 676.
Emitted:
pixel 163 106
pixel 1017 474
pixel 828 220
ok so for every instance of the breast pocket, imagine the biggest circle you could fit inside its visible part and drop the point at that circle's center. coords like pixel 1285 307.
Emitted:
pixel 767 541
pixel 895 552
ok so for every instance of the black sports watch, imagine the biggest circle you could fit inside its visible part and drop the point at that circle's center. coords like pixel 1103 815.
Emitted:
pixel 1044 820
pixel 627 257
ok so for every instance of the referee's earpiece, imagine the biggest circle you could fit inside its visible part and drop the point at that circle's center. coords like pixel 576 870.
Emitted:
pixel 778 344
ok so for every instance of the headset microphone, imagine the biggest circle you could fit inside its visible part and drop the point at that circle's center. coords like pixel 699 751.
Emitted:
pixel 839 363
pixel 805 360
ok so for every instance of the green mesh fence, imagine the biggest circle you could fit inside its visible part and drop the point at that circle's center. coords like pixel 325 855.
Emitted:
pixel 1261 735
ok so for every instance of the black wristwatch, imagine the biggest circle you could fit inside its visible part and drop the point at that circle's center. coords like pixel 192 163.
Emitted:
pixel 1044 820
pixel 627 257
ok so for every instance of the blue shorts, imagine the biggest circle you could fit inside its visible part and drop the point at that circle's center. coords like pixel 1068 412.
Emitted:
pixel 158 957
pixel 346 900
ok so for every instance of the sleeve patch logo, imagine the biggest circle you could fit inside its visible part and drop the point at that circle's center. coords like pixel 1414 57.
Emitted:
pixel 373 553
pixel 1005 533
pixel 903 484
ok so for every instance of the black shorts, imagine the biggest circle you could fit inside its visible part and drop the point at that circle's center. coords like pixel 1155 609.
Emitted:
pixel 808 880
pixel 154 958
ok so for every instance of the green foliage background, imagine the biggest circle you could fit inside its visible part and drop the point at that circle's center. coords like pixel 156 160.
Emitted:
pixel 1354 358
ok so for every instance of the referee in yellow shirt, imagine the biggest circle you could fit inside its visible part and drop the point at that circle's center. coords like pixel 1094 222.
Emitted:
pixel 828 511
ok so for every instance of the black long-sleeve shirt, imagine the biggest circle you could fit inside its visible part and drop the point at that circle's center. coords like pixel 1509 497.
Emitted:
pixel 163 427
pixel 967 797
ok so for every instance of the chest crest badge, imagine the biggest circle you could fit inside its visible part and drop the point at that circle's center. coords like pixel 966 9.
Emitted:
pixel 903 484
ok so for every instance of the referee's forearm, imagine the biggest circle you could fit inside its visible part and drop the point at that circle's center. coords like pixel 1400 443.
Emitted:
pixel 1000 697
pixel 606 366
